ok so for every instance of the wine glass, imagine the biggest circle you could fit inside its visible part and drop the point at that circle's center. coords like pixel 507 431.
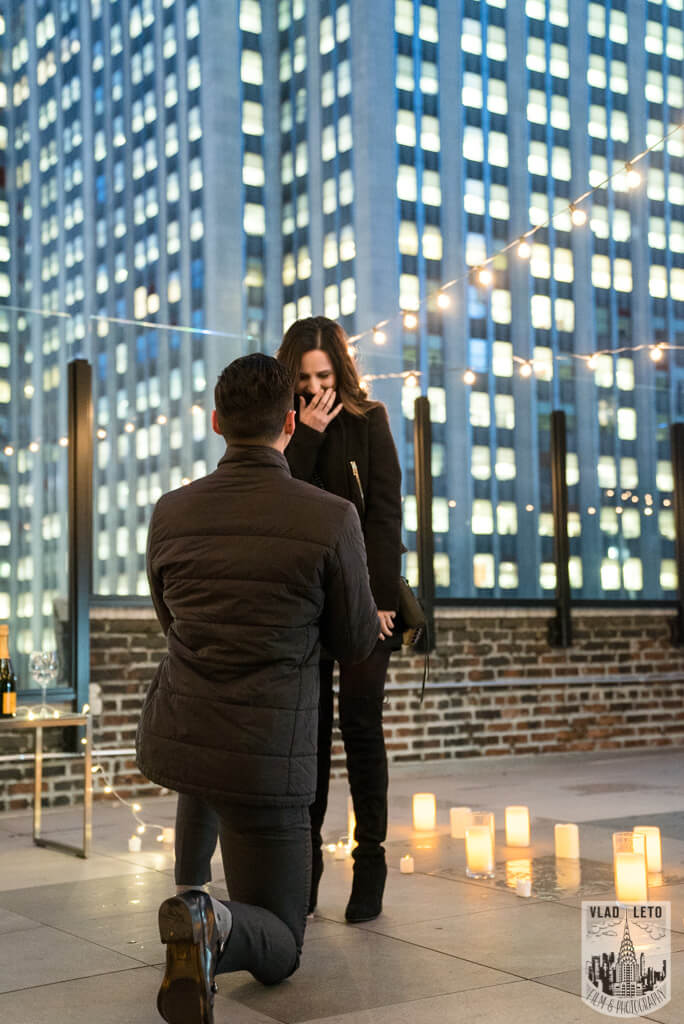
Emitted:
pixel 44 666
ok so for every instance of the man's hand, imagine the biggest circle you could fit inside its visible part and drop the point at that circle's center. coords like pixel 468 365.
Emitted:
pixel 320 411
pixel 386 623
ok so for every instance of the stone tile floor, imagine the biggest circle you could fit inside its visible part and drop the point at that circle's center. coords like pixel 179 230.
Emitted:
pixel 79 942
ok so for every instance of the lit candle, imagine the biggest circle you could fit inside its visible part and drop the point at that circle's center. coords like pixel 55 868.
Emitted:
pixel 406 864
pixel 134 844
pixel 341 851
pixel 479 846
pixel 351 824
pixel 629 861
pixel 517 826
pixel 654 856
pixel 424 812
pixel 567 841
pixel 523 887
pixel 458 819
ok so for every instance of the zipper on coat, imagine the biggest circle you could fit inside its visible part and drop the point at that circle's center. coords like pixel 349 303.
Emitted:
pixel 355 473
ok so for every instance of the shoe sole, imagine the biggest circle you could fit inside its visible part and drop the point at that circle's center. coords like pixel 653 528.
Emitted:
pixel 183 997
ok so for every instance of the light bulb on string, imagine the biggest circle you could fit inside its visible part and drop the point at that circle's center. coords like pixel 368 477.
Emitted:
pixel 379 337
pixel 411 381
pixel 592 362
pixel 34 446
pixel 578 215
pixel 443 300
pixel 632 176
pixel 526 369
pixel 469 377
pixel 485 276
pixel 63 442
pixel 129 428
pixel 410 321
pixel 101 434
pixel 656 353
pixel 8 449
pixel 162 419
pixel 524 249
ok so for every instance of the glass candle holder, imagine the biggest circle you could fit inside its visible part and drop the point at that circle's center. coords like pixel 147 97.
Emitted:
pixel 654 855
pixel 458 819
pixel 479 845
pixel 629 863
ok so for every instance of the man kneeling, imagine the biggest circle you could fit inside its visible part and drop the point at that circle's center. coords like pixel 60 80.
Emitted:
pixel 249 570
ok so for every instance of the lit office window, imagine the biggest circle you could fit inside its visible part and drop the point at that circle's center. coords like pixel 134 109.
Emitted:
pixel 254 220
pixel 408 238
pixel 331 301
pixel 347 243
pixel 253 169
pixel 432 243
pixel 483 571
pixel 668 574
pixel 327 35
pixel 403 17
pixel 431 192
pixel 664 479
pixel 479 409
pixel 607 475
pixel 471 36
pixel 505 469
pixel 327 89
pixel 250 16
pixel 471 93
pixel 330 254
pixel 428 27
pixel 404 79
pixel 504 409
pixel 252 118
pixel 482 522
pixel 629 472
pixel 409 291
pixel 343 23
pixel 657 284
pixel 480 462
pixel 407 183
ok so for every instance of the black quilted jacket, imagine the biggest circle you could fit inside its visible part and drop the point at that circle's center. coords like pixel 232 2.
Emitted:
pixel 249 570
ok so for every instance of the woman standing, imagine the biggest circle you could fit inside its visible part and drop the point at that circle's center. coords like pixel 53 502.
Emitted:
pixel 343 443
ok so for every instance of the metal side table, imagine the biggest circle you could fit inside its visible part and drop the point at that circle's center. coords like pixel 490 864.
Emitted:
pixel 37 725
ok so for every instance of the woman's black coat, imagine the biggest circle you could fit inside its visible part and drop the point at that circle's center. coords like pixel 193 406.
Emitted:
pixel 327 458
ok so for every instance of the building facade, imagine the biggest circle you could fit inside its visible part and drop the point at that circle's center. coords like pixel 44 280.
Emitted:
pixel 183 179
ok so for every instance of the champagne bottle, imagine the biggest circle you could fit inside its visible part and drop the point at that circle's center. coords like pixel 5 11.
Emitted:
pixel 8 680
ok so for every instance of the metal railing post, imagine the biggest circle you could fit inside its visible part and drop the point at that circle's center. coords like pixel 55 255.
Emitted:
pixel 422 447
pixel 677 456
pixel 560 629
pixel 80 523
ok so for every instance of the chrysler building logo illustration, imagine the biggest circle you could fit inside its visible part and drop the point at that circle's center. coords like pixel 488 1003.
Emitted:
pixel 625 957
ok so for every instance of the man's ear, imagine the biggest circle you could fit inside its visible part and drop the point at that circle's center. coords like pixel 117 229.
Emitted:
pixel 290 423
pixel 215 422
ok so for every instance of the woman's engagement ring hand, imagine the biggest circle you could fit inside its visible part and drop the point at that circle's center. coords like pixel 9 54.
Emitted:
pixel 320 411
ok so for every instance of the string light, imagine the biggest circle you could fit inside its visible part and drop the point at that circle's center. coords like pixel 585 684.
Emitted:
pixel 656 353
pixel 577 215
pixel 633 177
pixel 161 418
pixel 443 300
pixel 379 337
pixel 485 276
pixel 469 377
pixel 410 321
pixel 101 434
pixel 165 833
pixel 411 380
pixel 592 362
pixel 526 369
pixel 63 442
pixel 129 428
pixel 524 249
pixel 34 446
pixel 8 449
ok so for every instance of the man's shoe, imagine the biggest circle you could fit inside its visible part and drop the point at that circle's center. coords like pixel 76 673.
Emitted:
pixel 365 902
pixel 194 928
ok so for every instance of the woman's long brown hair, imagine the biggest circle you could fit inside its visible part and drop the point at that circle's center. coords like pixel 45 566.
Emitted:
pixel 318 332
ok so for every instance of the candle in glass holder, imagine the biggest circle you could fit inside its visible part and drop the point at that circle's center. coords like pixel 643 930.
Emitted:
pixel 424 812
pixel 134 844
pixel 517 826
pixel 629 862
pixel 458 819
pixel 406 864
pixel 479 846
pixel 654 856
pixel 567 841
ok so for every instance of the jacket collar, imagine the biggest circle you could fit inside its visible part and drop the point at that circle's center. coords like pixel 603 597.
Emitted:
pixel 254 455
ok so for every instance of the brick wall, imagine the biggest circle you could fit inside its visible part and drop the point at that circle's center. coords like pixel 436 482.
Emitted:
pixel 496 687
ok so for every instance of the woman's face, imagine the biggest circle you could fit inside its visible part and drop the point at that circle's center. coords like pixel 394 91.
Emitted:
pixel 315 373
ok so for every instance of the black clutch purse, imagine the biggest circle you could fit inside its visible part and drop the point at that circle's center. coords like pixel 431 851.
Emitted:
pixel 412 623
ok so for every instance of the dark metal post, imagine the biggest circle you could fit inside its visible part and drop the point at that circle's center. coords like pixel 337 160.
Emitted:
pixel 560 630
pixel 677 455
pixel 80 523
pixel 422 448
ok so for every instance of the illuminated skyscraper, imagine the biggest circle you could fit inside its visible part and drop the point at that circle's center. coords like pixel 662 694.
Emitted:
pixel 223 168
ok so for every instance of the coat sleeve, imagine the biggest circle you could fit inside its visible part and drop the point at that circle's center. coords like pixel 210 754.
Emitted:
pixel 382 524
pixel 302 451
pixel 154 575
pixel 349 624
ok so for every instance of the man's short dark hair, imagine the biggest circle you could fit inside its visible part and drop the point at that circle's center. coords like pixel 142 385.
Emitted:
pixel 253 396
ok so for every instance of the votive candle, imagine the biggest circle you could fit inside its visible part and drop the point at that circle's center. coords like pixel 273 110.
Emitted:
pixel 566 839
pixel 517 826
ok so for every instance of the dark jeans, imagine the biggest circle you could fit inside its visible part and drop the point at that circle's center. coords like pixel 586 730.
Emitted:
pixel 267 862
pixel 362 689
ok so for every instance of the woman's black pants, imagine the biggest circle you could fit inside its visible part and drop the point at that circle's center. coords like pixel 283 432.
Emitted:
pixel 362 690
